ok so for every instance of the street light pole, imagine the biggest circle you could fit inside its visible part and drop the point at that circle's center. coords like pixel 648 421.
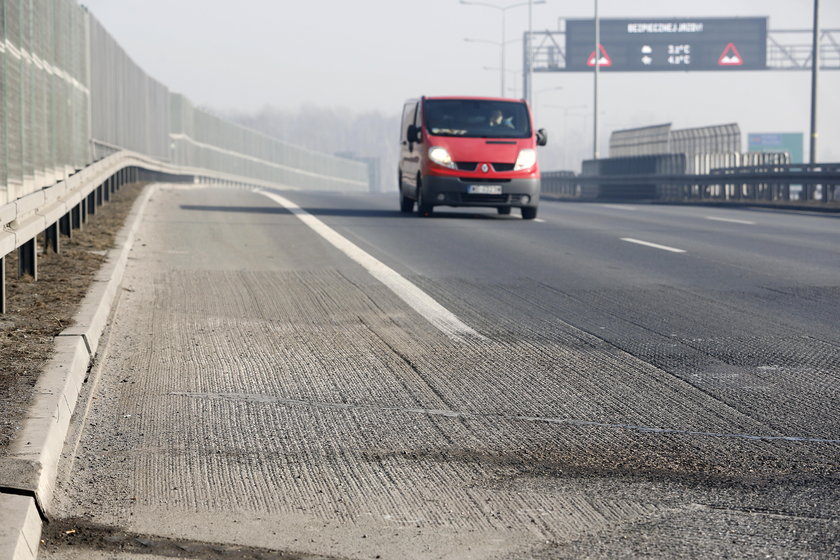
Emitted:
pixel 595 91
pixel 815 69
pixel 529 64
pixel 503 10
pixel 502 54
pixel 501 68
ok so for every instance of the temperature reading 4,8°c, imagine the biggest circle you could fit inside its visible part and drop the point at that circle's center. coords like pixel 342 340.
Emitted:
pixel 679 54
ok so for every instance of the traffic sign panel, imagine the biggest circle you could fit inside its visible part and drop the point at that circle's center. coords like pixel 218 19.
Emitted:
pixel 669 44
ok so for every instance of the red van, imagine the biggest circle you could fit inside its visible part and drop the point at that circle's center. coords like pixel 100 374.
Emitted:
pixel 469 151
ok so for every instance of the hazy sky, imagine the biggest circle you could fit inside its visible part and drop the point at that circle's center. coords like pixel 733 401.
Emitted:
pixel 370 55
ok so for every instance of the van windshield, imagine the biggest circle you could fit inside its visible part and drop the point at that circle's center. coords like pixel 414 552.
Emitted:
pixel 477 118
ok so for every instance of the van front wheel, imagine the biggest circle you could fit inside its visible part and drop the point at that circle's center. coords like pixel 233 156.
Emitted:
pixel 529 212
pixel 423 208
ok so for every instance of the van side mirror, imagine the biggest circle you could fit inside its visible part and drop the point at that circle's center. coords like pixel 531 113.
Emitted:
pixel 542 137
pixel 414 134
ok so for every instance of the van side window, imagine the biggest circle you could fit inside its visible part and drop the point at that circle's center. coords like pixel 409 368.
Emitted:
pixel 408 118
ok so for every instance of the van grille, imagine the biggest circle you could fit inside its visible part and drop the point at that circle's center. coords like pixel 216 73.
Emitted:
pixel 473 165
pixel 503 166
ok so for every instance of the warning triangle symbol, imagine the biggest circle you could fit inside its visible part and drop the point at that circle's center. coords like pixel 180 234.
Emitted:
pixel 730 56
pixel 603 60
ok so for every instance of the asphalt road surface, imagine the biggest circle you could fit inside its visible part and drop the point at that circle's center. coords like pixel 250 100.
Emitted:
pixel 316 375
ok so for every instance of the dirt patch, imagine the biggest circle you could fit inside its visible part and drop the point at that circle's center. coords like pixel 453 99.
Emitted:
pixel 37 311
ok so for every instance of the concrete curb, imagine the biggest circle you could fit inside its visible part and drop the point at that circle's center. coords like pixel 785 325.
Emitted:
pixel 20 527
pixel 29 472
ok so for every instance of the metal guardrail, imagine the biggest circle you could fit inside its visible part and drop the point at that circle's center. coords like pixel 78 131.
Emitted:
pixel 65 206
pixel 70 95
pixel 784 185
pixel 79 118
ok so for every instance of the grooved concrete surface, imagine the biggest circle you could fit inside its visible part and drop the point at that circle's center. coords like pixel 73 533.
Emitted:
pixel 259 388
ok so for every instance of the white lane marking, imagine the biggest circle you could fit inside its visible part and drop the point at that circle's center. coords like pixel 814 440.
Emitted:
pixel 730 220
pixel 618 207
pixel 539 220
pixel 654 245
pixel 443 319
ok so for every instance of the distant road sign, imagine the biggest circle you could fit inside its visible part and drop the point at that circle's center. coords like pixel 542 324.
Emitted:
pixel 603 60
pixel 669 44
pixel 790 142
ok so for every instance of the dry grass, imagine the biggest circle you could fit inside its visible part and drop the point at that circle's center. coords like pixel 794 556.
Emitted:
pixel 38 311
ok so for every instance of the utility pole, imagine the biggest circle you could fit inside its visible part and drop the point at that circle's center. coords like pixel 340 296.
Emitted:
pixel 529 97
pixel 815 70
pixel 597 59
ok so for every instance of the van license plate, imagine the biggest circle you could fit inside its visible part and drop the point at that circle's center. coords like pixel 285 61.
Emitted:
pixel 485 189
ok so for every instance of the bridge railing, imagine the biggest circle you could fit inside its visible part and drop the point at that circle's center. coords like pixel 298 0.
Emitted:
pixel 61 208
pixel 781 185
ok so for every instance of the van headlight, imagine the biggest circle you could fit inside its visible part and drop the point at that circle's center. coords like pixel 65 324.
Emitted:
pixel 440 156
pixel 527 159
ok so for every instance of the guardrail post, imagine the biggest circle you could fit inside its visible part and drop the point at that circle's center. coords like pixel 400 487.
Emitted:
pixel 28 258
pixel 65 224
pixel 2 284
pixel 106 191
pixel 51 238
pixel 82 212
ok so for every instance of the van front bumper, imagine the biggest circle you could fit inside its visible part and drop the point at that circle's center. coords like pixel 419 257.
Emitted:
pixel 455 191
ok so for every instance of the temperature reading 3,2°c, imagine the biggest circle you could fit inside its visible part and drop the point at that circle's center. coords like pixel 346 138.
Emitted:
pixel 679 54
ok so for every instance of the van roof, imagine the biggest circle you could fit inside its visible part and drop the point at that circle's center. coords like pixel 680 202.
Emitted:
pixel 475 97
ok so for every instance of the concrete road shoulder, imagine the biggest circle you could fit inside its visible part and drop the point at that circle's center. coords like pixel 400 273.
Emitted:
pixel 28 473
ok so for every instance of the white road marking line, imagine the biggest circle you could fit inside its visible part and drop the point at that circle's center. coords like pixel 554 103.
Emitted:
pixel 539 220
pixel 654 245
pixel 730 220
pixel 619 207
pixel 443 319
